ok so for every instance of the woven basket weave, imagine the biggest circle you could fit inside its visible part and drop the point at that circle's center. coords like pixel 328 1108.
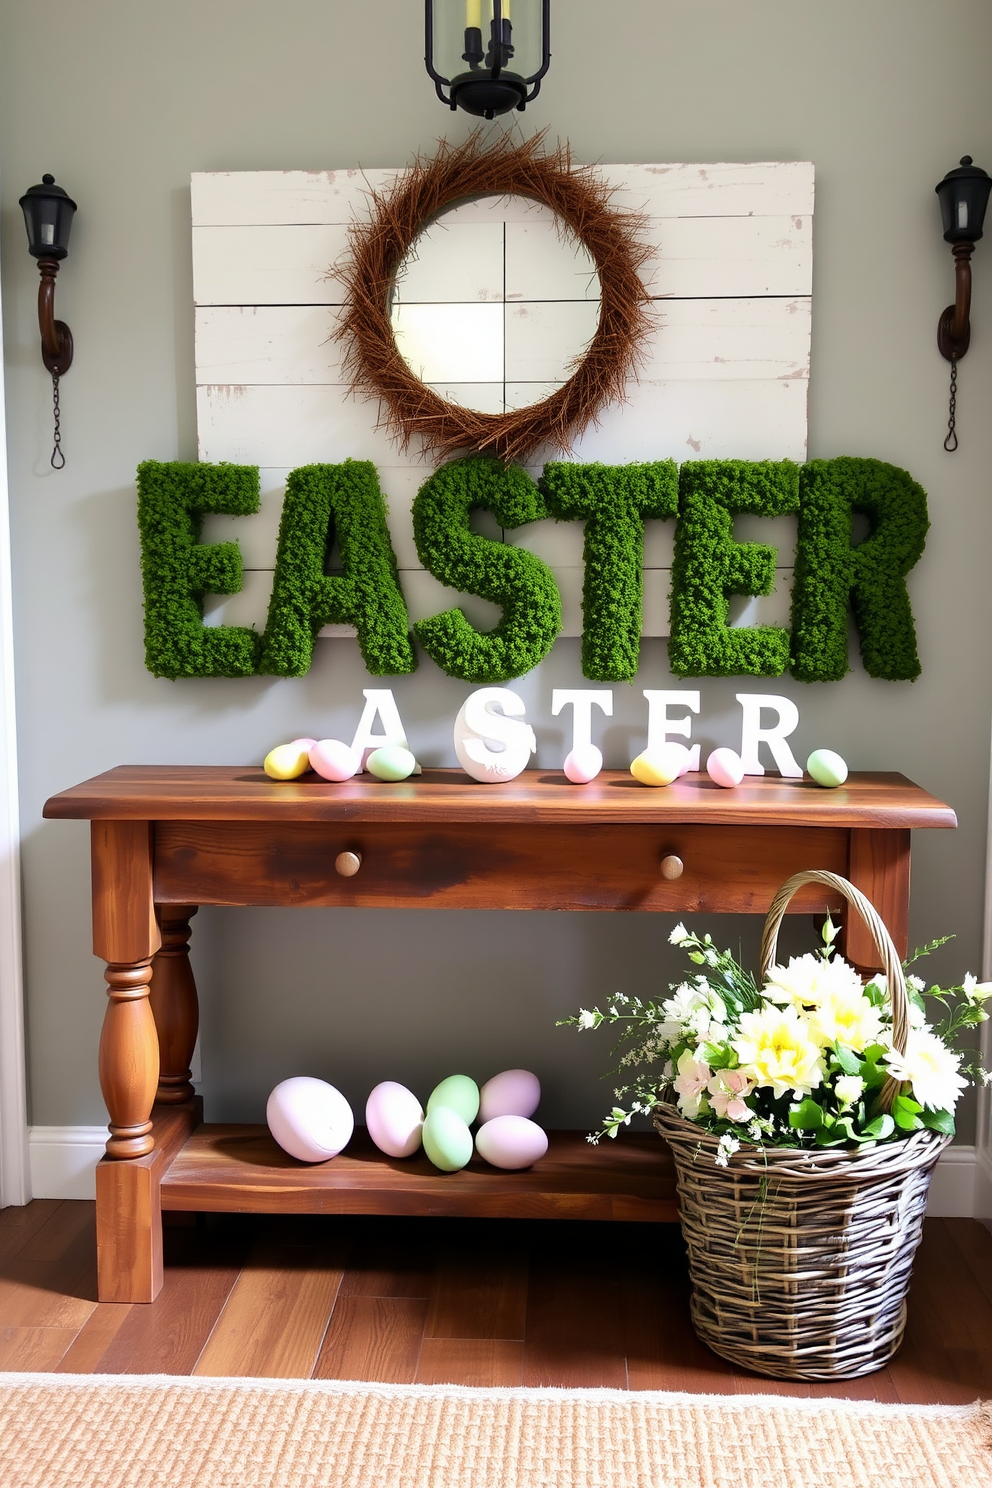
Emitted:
pixel 800 1260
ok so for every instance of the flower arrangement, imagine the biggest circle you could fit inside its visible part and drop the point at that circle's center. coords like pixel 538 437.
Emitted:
pixel 799 1061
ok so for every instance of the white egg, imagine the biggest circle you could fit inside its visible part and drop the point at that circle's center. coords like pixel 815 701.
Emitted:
pixel 725 768
pixel 395 1119
pixel 583 764
pixel 309 1118
pixel 511 1142
pixel 515 1092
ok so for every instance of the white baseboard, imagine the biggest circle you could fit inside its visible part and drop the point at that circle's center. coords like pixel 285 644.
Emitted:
pixel 63 1159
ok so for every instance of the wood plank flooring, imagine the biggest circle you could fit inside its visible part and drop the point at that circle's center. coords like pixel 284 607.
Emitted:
pixel 474 1302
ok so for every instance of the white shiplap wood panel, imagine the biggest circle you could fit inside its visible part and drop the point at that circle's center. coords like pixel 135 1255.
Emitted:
pixel 297 425
pixel 724 189
pixel 701 256
pixel 724 373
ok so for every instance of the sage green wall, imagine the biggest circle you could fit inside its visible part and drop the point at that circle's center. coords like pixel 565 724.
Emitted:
pixel 122 99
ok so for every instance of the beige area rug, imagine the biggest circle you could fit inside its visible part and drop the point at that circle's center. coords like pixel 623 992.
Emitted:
pixel 156 1431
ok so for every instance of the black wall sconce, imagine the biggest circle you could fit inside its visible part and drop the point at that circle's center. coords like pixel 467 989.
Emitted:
pixel 964 196
pixel 48 213
pixel 490 54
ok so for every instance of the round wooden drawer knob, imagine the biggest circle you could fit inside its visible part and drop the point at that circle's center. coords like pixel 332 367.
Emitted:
pixel 672 867
pixel 348 864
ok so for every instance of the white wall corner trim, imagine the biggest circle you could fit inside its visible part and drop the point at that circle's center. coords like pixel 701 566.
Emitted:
pixel 63 1159
pixel 14 1187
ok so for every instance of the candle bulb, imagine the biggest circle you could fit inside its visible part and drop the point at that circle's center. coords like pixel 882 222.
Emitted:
pixel 473 14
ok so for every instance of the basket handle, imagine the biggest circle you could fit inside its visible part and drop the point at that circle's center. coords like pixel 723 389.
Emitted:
pixel 894 975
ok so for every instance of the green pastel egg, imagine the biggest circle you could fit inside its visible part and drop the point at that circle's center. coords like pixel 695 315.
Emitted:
pixel 392 762
pixel 447 1139
pixel 459 1093
pixel 827 768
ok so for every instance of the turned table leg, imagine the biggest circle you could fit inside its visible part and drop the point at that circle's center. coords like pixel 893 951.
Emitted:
pixel 129 1060
pixel 174 1005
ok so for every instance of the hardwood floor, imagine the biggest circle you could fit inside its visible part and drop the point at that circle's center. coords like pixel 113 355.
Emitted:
pixel 471 1302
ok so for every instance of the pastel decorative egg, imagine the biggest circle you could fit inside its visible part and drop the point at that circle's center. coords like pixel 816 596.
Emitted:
pixel 334 760
pixel 459 1093
pixel 287 761
pixel 511 1142
pixel 447 1139
pixel 661 765
pixel 827 768
pixel 725 768
pixel 391 762
pixel 515 1092
pixel 583 764
pixel 395 1119
pixel 306 744
pixel 309 1118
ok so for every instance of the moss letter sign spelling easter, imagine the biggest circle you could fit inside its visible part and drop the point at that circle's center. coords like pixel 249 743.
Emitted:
pixel 343 502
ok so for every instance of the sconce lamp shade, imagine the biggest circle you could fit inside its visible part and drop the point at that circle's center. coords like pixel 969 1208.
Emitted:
pixel 964 195
pixel 48 213
pixel 490 55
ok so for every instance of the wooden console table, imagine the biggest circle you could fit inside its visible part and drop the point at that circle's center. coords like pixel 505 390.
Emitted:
pixel 166 840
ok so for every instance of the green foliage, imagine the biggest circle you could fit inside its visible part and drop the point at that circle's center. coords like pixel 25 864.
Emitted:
pixel 830 573
pixel 517 580
pixel 709 566
pixel 613 501
pixel 324 503
pixel 177 569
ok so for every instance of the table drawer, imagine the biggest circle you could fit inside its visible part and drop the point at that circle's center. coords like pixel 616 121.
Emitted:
pixel 730 869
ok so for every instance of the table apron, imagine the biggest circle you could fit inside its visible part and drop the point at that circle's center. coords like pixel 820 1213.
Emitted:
pixel 728 868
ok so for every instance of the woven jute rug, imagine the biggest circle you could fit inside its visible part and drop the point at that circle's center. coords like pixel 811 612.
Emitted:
pixel 155 1431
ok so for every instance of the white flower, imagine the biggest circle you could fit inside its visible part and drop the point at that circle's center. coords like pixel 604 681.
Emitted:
pixel 586 1019
pixel 849 1089
pixel 931 1068
pixel 678 935
pixel 776 1052
pixel 726 1147
pixel 917 1016
pixel 845 1016
pixel 808 980
pixel 917 983
pixel 974 990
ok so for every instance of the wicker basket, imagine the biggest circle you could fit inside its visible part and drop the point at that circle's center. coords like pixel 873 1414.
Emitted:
pixel 800 1260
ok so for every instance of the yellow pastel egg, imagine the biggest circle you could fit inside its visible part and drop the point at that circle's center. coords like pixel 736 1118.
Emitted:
pixel 659 766
pixel 287 761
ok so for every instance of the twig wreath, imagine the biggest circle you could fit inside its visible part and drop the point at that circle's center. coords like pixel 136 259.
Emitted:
pixel 456 173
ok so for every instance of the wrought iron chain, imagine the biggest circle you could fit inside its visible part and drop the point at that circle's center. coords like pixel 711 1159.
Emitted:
pixel 58 458
pixel 951 440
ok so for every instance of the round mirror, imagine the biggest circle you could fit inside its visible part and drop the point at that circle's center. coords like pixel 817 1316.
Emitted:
pixel 495 304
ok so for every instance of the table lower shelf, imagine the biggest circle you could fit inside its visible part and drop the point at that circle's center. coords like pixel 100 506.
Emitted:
pixel 240 1169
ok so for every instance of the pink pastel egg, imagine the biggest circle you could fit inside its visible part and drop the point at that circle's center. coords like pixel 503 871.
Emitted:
pixel 309 1118
pixel 306 743
pixel 395 1119
pixel 511 1142
pixel 583 764
pixel 725 768
pixel 515 1092
pixel 334 760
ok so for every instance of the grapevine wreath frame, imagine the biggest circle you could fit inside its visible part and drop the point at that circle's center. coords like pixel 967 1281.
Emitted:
pixel 456 173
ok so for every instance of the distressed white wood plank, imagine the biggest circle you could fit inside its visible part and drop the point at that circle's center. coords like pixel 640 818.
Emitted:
pixel 728 340
pixel 668 190
pixel 288 426
pixel 546 339
pixel 695 257
pixel 710 257
pixel 425 596
pixel 268 265
pixel 692 339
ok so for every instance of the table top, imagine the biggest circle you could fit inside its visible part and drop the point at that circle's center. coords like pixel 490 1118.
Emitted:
pixel 245 793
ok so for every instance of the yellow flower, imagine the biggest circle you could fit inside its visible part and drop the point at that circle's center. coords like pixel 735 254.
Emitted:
pixel 808 980
pixel 842 1018
pixel 776 1051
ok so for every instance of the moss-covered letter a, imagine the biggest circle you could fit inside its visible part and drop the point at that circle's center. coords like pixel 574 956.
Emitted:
pixel 177 569
pixel 324 502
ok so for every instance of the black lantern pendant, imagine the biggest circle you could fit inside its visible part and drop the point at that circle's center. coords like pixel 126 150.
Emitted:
pixel 48 213
pixel 490 54
pixel 964 196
